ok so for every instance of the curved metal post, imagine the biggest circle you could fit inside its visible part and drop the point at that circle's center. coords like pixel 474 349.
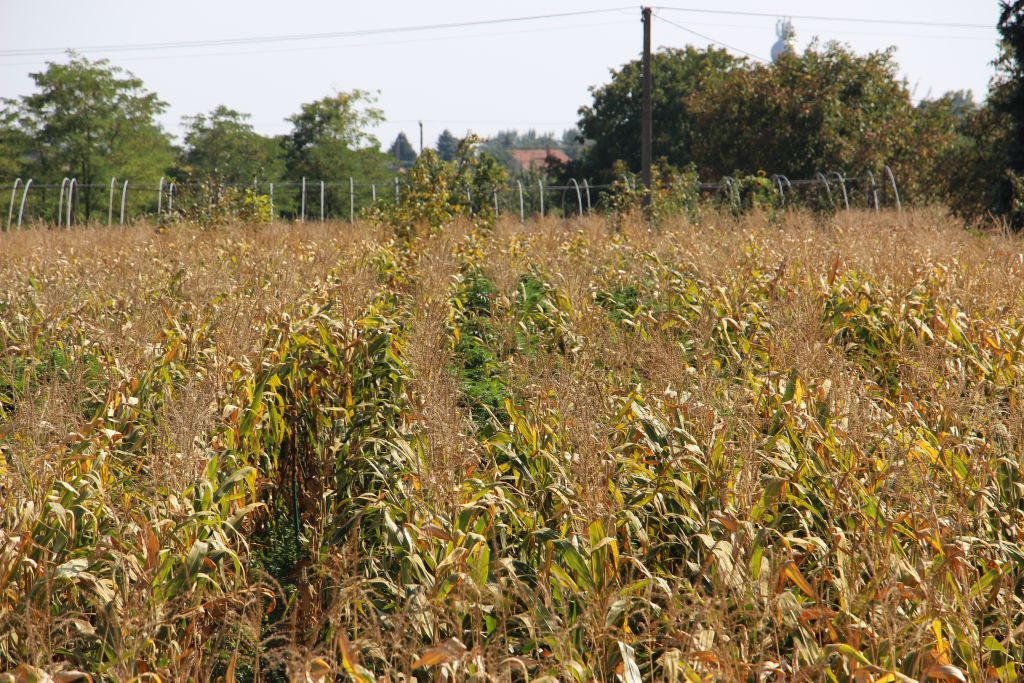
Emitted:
pixel 60 206
pixel 874 190
pixel 895 190
pixel 540 183
pixel 777 181
pixel 586 188
pixel 321 201
pixel 10 211
pixel 24 196
pixel 351 200
pixel 819 176
pixel 842 184
pixel 71 191
pixel 110 204
pixel 159 198
pixel 302 215
pixel 124 198
pixel 522 206
pixel 579 195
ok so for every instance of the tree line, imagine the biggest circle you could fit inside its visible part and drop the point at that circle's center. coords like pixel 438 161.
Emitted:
pixel 715 115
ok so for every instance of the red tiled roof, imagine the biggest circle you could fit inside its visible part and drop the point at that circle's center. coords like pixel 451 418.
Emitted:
pixel 532 158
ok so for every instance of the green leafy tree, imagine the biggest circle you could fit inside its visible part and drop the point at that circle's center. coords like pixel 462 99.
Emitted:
pixel 447 145
pixel 330 142
pixel 92 121
pixel 1007 102
pixel 401 150
pixel 15 146
pixel 223 145
pixel 827 109
pixel 612 121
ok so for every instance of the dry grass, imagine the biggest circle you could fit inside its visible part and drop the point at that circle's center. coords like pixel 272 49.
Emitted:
pixel 759 448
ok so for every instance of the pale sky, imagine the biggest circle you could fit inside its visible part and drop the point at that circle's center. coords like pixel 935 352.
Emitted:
pixel 531 74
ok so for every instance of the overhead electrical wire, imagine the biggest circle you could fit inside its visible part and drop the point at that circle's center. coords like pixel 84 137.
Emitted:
pixel 175 45
pixel 713 40
pixel 811 17
pixel 338 46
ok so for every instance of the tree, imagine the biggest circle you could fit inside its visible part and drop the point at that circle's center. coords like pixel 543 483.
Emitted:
pixel 447 145
pixel 92 121
pixel 1007 102
pixel 612 121
pixel 825 110
pixel 401 151
pixel 330 142
pixel 223 145
pixel 15 146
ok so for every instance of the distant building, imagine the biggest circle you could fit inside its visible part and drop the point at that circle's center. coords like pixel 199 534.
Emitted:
pixel 534 159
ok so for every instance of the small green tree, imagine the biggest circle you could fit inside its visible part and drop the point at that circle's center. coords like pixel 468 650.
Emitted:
pixel 224 146
pixel 447 145
pixel 330 142
pixel 92 121
pixel 401 150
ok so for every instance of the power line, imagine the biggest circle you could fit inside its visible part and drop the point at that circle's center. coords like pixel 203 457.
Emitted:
pixel 407 41
pixel 811 17
pixel 220 42
pixel 713 40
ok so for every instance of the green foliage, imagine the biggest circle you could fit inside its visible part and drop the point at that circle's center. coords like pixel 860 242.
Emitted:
pixel 401 150
pixel 330 141
pixel 447 145
pixel 224 147
pixel 437 191
pixel 612 121
pixel 92 121
pixel 213 203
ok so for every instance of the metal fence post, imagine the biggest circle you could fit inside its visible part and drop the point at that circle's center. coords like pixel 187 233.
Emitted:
pixel 895 190
pixel 522 211
pixel 586 188
pixel 71 192
pixel 10 211
pixel 272 214
pixel 373 192
pixel 821 177
pixel 159 198
pixel 874 190
pixel 842 184
pixel 321 201
pixel 396 189
pixel 170 196
pixel 579 196
pixel 351 200
pixel 60 205
pixel 302 215
pixel 540 184
pixel 24 196
pixel 124 198
pixel 496 202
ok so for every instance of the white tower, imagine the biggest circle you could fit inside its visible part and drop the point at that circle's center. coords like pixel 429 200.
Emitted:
pixel 787 39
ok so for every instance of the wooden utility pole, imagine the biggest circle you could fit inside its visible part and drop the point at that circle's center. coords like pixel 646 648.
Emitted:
pixel 646 123
pixel 421 137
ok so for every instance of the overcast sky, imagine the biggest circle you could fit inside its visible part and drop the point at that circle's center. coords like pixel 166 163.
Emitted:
pixel 529 74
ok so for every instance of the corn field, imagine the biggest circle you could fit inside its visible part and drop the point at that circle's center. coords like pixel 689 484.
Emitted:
pixel 765 447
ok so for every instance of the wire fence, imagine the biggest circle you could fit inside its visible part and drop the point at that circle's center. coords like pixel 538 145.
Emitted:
pixel 68 203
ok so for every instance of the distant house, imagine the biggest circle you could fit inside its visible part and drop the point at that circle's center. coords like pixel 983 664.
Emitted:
pixel 533 159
